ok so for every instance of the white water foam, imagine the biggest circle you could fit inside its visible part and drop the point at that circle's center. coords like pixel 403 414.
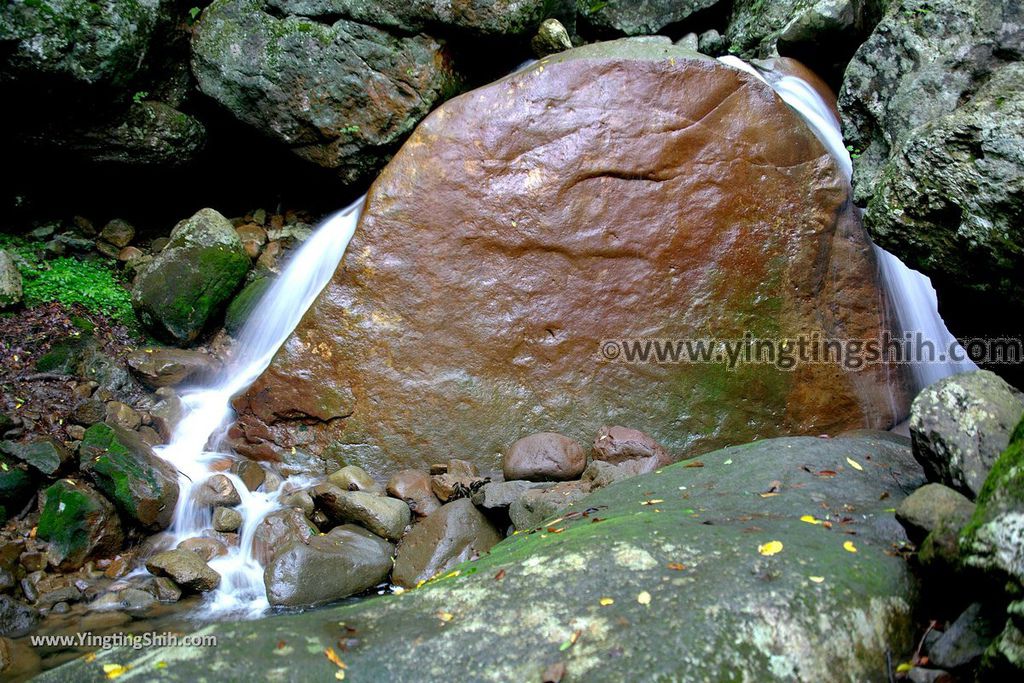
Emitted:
pixel 208 412
pixel 911 293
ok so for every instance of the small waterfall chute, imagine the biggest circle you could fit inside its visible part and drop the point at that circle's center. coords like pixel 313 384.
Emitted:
pixel 911 294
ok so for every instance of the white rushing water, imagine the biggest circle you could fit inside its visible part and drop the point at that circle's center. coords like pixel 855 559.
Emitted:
pixel 911 293
pixel 192 449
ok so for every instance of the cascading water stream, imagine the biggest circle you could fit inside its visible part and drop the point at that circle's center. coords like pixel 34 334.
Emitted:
pixel 208 411
pixel 192 449
pixel 911 294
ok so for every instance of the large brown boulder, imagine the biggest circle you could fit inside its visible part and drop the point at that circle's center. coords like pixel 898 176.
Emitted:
pixel 620 190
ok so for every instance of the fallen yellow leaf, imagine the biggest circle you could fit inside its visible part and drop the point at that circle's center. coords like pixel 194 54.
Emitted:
pixel 114 670
pixel 854 464
pixel 89 658
pixel 445 616
pixel 644 598
pixel 849 547
pixel 770 548
pixel 652 501
pixel 333 657
pixel 810 519
pixel 817 579
pixel 606 601
pixel 904 667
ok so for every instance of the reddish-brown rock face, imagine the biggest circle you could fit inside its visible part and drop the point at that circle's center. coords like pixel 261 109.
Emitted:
pixel 618 190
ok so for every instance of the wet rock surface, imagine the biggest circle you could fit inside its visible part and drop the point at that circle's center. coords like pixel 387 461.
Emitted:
pixel 324 568
pixel 509 612
pixel 538 235
pixel 454 533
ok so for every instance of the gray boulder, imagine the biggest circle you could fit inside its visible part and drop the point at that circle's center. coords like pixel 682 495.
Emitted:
pixel 933 506
pixel 637 18
pixel 321 569
pixel 932 106
pixel 959 426
pixel 340 94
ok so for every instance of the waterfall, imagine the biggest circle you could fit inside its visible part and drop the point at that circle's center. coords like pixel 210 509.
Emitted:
pixel 208 412
pixel 911 293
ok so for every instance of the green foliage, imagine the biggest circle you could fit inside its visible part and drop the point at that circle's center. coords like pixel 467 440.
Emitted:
pixel 854 153
pixel 139 96
pixel 193 14
pixel 96 285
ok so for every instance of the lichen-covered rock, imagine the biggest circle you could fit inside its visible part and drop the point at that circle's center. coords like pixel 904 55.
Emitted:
pixel 142 485
pixel 327 567
pixel 191 279
pixel 10 282
pixel 960 425
pixel 456 532
pixel 479 17
pixel 79 524
pixel 16 618
pixel 932 105
pixel 822 33
pixel 994 539
pixel 638 18
pixel 149 134
pixel 535 505
pixel 598 222
pixel 91 43
pixel 340 94
pixel 950 199
pixel 187 569
pixel 672 591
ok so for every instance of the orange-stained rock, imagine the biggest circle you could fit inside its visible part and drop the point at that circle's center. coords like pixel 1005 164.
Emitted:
pixel 622 189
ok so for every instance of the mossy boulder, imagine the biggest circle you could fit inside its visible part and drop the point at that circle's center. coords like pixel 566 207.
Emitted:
pixel 994 539
pixel 45 454
pixel 244 304
pixel 338 93
pixel 638 18
pixel 151 134
pixel 142 486
pixel 16 485
pixel 673 575
pixel 80 41
pixel 79 524
pixel 191 280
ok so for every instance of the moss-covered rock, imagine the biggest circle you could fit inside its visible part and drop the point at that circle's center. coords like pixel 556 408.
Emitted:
pixel 16 485
pixel 143 487
pixel 79 524
pixel 85 41
pixel 933 104
pixel 243 305
pixel 994 539
pixel 340 94
pixel 637 18
pixel 688 573
pixel 150 133
pixel 191 279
